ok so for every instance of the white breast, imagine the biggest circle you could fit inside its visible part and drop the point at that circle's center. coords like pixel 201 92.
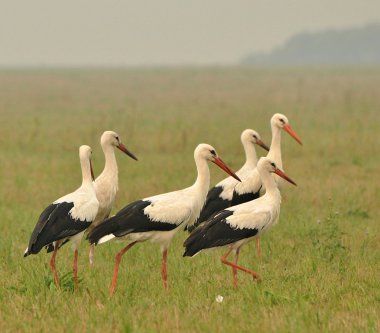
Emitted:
pixel 259 214
pixel 86 204
pixel 106 188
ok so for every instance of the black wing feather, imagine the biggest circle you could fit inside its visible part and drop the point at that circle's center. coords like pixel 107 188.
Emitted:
pixel 214 203
pixel 54 223
pixel 238 199
pixel 215 232
pixel 131 219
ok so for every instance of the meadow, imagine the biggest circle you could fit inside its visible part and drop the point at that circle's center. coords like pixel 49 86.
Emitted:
pixel 320 266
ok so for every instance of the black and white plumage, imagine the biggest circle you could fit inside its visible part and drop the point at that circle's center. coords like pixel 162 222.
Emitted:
pixel 67 218
pixel 251 186
pixel 107 184
pixel 229 192
pixel 237 225
pixel 159 218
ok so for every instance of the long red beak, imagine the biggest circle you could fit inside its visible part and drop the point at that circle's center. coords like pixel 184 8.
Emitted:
pixel 293 134
pixel 225 167
pixel 262 144
pixel 92 171
pixel 282 175
pixel 125 150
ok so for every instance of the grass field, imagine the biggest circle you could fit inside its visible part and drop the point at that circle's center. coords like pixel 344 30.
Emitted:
pixel 320 266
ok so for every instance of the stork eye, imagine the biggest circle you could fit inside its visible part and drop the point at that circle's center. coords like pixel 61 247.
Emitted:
pixel 255 137
pixel 117 138
pixel 213 152
pixel 282 120
pixel 273 165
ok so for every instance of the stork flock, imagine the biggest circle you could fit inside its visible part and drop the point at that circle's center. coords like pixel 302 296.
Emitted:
pixel 237 210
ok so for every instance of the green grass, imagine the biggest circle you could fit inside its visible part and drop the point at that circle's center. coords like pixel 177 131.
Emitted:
pixel 319 266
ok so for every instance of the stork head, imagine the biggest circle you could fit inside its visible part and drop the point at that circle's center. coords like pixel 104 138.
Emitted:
pixel 208 153
pixel 85 153
pixel 267 165
pixel 280 121
pixel 111 138
pixel 251 136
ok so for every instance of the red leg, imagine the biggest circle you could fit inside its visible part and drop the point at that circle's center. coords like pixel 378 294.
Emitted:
pixel 163 270
pixel 76 270
pixel 233 268
pixel 258 246
pixel 229 263
pixel 52 266
pixel 116 269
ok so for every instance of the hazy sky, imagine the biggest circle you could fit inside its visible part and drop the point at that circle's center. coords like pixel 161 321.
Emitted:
pixel 162 32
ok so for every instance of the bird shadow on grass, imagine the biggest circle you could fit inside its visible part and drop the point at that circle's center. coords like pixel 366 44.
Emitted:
pixel 66 282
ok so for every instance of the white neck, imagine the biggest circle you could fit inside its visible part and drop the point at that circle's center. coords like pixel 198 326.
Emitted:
pixel 202 182
pixel 110 166
pixel 250 154
pixel 271 187
pixel 275 148
pixel 86 172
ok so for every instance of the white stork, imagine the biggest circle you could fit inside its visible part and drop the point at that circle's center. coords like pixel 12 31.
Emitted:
pixel 237 225
pixel 160 217
pixel 251 186
pixel 67 218
pixel 227 193
pixel 278 122
pixel 106 184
